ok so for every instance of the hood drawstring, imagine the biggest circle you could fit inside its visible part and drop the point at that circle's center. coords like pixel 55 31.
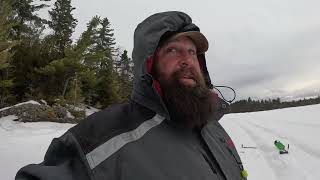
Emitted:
pixel 234 93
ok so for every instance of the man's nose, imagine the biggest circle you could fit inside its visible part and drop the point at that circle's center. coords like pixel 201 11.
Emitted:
pixel 186 59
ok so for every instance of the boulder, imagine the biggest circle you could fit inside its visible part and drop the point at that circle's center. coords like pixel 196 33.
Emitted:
pixel 42 112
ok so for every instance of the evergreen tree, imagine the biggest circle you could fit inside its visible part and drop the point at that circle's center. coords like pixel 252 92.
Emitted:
pixel 6 23
pixel 61 57
pixel 28 22
pixel 91 70
pixel 27 57
pixel 62 23
pixel 59 73
pixel 125 69
pixel 88 42
pixel 106 37
pixel 27 30
pixel 99 59
pixel 88 86
pixel 91 60
pixel 79 65
pixel 107 84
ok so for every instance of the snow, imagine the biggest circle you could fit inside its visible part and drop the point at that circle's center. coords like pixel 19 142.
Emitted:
pixel 90 110
pixel 69 115
pixel 25 143
pixel 43 102
pixel 297 126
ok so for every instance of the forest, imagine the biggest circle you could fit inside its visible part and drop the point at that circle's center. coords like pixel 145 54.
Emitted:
pixel 250 105
pixel 54 67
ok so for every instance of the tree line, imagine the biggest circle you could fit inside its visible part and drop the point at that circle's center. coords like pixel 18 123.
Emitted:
pixel 54 67
pixel 250 105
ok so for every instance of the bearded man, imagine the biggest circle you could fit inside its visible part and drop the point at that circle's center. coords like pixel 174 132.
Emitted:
pixel 168 130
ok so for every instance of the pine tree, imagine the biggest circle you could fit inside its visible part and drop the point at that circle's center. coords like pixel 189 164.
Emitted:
pixel 88 43
pixel 28 22
pixel 73 67
pixel 27 30
pixel 125 70
pixel 90 59
pixel 106 37
pixel 88 86
pixel 27 57
pixel 62 23
pixel 59 73
pixel 6 23
pixel 107 84
pixel 99 59
pixel 63 58
pixel 126 65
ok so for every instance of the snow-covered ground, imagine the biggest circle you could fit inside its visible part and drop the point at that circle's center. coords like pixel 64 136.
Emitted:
pixel 299 127
pixel 24 143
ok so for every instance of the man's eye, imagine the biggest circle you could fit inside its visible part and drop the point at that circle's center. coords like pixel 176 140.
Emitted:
pixel 171 50
pixel 192 52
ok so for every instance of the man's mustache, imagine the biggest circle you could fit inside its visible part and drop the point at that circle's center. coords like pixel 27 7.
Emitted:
pixel 186 72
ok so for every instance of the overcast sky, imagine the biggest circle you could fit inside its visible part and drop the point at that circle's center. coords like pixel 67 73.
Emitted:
pixel 261 48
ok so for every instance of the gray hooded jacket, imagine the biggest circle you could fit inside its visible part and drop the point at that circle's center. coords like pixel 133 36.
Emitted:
pixel 136 140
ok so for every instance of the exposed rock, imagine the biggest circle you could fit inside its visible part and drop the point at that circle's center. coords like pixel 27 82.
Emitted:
pixel 41 112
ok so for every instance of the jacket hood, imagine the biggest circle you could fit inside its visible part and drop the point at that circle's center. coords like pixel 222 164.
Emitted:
pixel 146 38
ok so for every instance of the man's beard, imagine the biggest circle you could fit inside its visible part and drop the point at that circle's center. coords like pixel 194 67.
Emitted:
pixel 189 106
